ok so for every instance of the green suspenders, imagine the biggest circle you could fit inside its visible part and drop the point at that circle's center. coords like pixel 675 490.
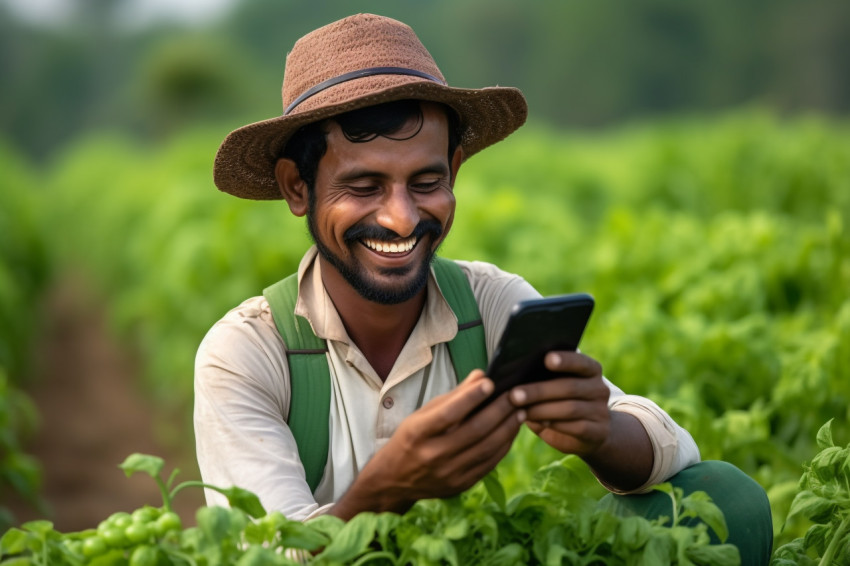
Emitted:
pixel 309 375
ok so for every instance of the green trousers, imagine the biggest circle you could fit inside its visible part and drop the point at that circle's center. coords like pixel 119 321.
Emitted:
pixel 743 501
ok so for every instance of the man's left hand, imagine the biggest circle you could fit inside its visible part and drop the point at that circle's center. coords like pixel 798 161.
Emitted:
pixel 569 413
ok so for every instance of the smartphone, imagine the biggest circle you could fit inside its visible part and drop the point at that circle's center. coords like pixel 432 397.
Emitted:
pixel 535 327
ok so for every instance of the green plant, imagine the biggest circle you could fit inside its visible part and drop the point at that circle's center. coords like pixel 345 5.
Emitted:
pixel 555 522
pixel 823 499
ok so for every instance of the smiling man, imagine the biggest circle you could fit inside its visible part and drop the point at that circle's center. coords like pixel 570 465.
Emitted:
pixel 349 386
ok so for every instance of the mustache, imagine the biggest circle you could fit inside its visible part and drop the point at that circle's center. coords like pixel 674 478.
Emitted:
pixel 372 232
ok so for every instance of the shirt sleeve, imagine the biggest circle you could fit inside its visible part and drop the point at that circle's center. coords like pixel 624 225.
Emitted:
pixel 241 406
pixel 673 448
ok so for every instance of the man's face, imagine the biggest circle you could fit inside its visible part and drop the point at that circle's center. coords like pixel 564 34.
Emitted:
pixel 381 208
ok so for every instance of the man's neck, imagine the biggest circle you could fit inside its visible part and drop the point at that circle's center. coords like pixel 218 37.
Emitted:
pixel 380 331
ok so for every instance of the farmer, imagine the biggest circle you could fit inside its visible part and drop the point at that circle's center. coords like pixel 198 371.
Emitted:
pixel 368 149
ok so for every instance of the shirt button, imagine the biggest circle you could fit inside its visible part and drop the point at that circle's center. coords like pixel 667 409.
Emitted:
pixel 388 402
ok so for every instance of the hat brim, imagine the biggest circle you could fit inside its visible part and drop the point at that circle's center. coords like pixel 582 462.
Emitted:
pixel 245 161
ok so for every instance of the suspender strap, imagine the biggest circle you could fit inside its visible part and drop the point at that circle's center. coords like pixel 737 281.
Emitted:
pixel 309 378
pixel 468 349
pixel 309 375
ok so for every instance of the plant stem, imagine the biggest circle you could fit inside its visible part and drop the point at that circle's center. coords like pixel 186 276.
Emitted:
pixel 166 498
pixel 829 555
pixel 191 483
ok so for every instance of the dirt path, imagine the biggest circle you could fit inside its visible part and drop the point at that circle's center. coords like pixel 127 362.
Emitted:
pixel 93 415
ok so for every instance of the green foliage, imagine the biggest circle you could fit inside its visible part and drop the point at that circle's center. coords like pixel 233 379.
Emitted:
pixel 556 521
pixel 23 279
pixel 824 499
pixel 19 472
pixel 717 251
pixel 24 268
pixel 614 60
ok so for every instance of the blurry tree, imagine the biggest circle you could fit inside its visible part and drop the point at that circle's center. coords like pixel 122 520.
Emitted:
pixel 188 78
pixel 580 63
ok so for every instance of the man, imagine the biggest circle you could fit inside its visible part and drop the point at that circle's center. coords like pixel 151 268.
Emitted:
pixel 368 150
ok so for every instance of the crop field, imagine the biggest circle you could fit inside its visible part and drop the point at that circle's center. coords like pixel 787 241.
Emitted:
pixel 718 251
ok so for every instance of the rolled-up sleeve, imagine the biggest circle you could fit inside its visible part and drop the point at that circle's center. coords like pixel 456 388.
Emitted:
pixel 673 448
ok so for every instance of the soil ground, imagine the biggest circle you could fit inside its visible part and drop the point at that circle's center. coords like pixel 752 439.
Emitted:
pixel 93 415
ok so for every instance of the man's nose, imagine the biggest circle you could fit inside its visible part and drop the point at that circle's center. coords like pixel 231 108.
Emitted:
pixel 399 212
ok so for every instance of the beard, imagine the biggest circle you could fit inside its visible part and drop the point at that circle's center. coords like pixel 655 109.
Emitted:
pixel 369 287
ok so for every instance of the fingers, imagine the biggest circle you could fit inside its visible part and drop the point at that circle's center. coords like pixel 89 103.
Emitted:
pixel 495 424
pixel 484 446
pixel 573 364
pixel 450 409
pixel 563 389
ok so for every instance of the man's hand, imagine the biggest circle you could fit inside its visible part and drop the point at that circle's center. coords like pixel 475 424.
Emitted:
pixel 436 452
pixel 571 414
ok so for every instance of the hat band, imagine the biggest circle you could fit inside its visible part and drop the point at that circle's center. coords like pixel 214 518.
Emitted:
pixel 357 75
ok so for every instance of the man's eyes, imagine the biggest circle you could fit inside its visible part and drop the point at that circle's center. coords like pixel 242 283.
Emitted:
pixel 427 185
pixel 364 189
pixel 419 186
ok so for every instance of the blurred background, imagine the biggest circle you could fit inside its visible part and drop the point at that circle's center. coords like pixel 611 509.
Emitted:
pixel 687 162
pixel 150 67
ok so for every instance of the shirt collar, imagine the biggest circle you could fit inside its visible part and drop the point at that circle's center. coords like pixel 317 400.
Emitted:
pixel 436 324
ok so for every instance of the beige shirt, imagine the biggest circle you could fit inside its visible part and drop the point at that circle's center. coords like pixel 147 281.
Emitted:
pixel 242 393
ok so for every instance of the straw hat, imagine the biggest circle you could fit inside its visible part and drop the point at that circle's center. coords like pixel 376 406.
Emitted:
pixel 355 62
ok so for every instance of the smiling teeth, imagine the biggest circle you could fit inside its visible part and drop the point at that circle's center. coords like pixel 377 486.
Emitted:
pixel 391 247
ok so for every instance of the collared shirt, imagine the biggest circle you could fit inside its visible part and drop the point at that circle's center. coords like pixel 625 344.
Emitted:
pixel 242 393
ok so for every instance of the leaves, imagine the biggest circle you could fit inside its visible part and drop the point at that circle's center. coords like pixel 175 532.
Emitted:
pixel 352 539
pixel 151 465
pixel 699 505
pixel 495 489
pixel 824 437
pixel 244 500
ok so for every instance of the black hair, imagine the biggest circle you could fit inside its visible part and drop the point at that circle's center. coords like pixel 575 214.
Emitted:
pixel 307 146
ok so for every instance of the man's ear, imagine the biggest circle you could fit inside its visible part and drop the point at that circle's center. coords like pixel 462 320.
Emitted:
pixel 457 159
pixel 292 187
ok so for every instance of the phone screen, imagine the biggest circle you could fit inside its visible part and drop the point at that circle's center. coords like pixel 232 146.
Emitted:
pixel 534 328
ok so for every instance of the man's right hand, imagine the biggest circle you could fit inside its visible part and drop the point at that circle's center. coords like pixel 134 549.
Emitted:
pixel 436 451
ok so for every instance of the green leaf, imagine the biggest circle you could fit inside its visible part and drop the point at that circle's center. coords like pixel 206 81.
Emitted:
pixel 817 536
pixel 329 525
pixel 556 554
pixel 811 506
pixel 214 522
pixel 456 529
pixel 257 556
pixel 828 462
pixel 658 550
pixel 151 465
pixel 435 549
pixel 14 541
pixel 352 540
pixel 791 554
pixel 386 524
pixel 495 489
pixel 39 527
pixel 824 438
pixel 700 504
pixel 245 500
pixel 714 555
pixel 604 525
pixel 633 532
pixel 510 555
pixel 294 534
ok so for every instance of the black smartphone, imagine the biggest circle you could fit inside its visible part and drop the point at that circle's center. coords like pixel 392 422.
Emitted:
pixel 535 327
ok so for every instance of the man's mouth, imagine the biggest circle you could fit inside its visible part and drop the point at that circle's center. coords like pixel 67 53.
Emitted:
pixel 401 246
